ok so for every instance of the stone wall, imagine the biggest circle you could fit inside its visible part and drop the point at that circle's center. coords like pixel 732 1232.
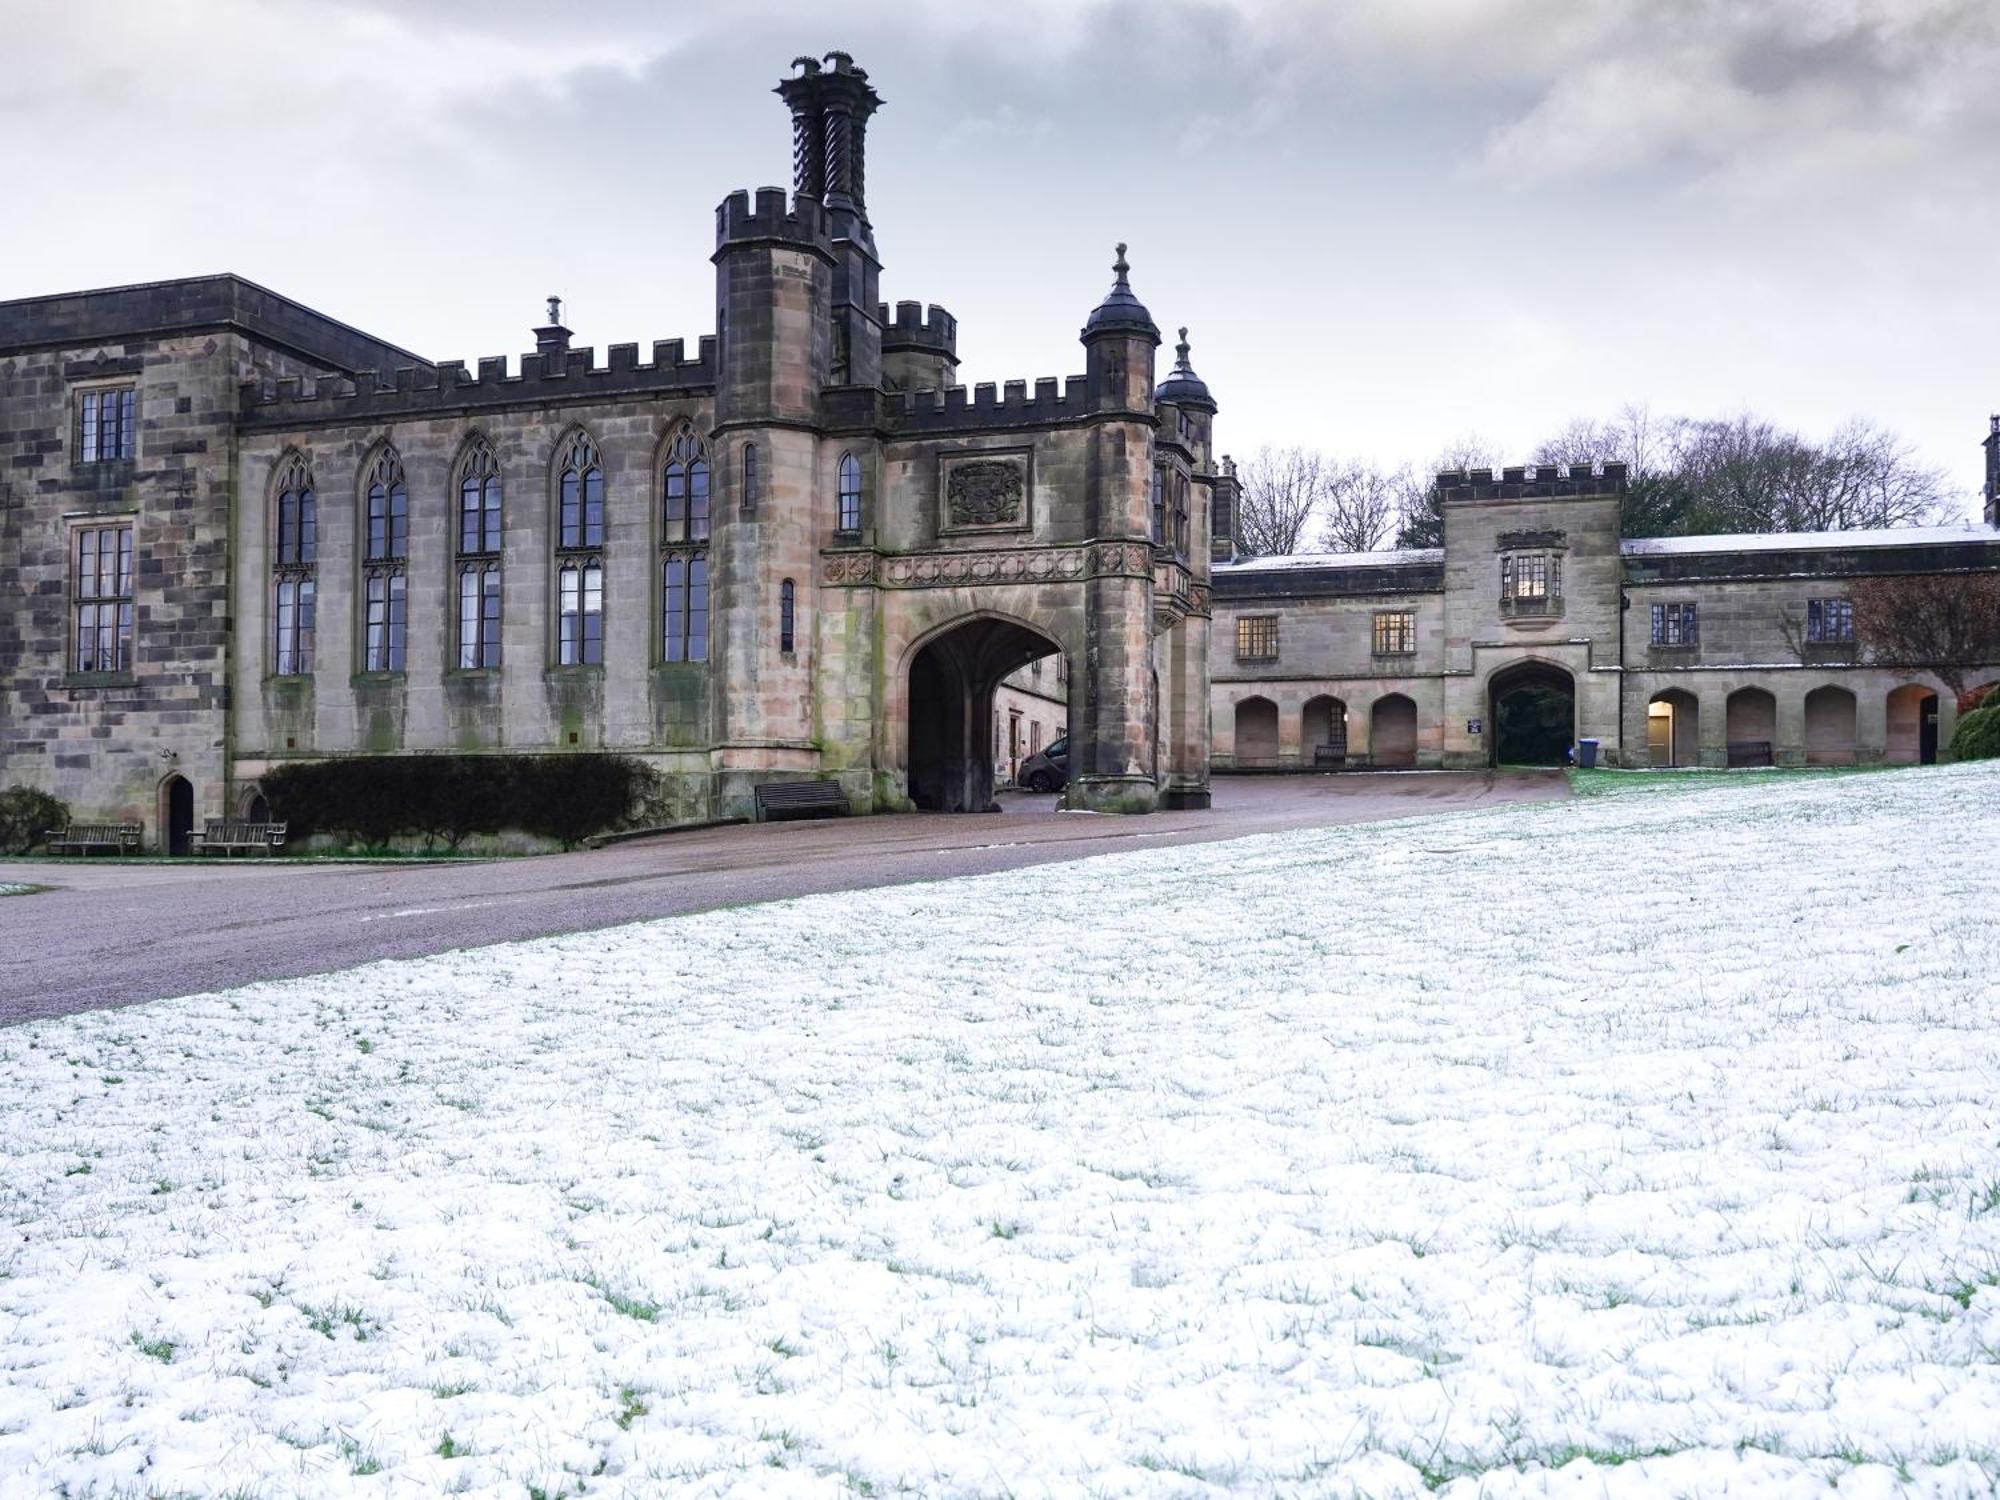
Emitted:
pixel 107 742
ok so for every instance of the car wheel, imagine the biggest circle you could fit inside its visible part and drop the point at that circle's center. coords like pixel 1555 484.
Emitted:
pixel 1039 782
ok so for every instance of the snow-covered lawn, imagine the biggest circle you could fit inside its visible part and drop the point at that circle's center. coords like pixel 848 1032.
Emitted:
pixel 1634 1146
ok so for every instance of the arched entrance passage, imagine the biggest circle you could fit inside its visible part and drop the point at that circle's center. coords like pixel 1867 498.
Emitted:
pixel 1751 723
pixel 1913 726
pixel 1392 732
pixel 176 816
pixel 1673 728
pixel 1830 727
pixel 1532 708
pixel 1323 731
pixel 1256 733
pixel 952 680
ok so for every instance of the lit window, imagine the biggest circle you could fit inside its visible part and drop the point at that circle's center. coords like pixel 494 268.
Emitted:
pixel 1531 583
pixel 1395 632
pixel 102 589
pixel 1829 622
pixel 105 427
pixel 1675 625
pixel 1257 638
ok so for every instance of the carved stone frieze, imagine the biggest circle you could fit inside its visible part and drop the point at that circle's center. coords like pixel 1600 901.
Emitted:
pixel 989 566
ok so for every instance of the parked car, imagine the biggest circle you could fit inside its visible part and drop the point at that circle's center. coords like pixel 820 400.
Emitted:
pixel 1047 770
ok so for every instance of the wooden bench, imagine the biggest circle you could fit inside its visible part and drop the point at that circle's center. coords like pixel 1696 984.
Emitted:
pixel 1338 758
pixel 228 835
pixel 799 799
pixel 1749 752
pixel 82 838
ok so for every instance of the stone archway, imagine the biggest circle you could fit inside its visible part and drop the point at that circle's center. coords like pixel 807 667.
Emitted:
pixel 1531 708
pixel 176 815
pixel 1830 715
pixel 1913 726
pixel 1673 728
pixel 952 678
pixel 1392 732
pixel 1256 734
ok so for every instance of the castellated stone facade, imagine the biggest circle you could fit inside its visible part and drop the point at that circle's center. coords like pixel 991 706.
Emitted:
pixel 793 549
pixel 1683 651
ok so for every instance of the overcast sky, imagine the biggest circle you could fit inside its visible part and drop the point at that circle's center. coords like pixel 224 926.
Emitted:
pixel 1388 223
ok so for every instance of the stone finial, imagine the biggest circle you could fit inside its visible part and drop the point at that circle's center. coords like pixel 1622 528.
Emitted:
pixel 1119 268
pixel 1181 351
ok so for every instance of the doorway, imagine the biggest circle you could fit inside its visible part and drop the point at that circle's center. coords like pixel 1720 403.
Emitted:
pixel 177 815
pixel 1532 707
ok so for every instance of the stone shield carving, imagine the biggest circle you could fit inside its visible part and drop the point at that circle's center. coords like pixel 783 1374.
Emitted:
pixel 987 492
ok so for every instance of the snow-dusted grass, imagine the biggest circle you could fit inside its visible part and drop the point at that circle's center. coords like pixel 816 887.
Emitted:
pixel 17 888
pixel 1630 1146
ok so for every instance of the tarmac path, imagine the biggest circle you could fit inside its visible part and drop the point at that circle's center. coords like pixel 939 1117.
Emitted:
pixel 113 932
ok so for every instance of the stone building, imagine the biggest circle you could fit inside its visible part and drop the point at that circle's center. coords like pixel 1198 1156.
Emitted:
pixel 234 532
pixel 1030 713
pixel 1537 624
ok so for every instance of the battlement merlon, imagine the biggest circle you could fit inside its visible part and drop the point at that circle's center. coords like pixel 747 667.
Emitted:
pixel 915 326
pixel 990 407
pixel 450 386
pixel 772 218
pixel 1545 482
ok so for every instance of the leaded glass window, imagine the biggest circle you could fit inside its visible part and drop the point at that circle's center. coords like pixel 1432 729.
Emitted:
pixel 102 590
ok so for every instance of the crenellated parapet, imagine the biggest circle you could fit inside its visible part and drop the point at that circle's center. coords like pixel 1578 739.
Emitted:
pixel 1052 403
pixel 573 375
pixel 930 330
pixel 770 217
pixel 1528 482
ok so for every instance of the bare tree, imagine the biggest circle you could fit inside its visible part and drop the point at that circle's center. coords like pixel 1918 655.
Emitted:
pixel 1360 505
pixel 1743 473
pixel 1419 511
pixel 1948 623
pixel 1281 489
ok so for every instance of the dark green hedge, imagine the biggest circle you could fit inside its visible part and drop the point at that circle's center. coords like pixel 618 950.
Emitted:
pixel 375 800
pixel 1978 735
pixel 25 815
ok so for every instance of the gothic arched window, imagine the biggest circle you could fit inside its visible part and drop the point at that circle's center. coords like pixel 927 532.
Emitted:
pixel 295 571
pixel 579 554
pixel 384 570
pixel 850 493
pixel 685 485
pixel 478 559
pixel 788 602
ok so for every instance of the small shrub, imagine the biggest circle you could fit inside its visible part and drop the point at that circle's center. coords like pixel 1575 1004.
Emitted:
pixel 25 815
pixel 1978 735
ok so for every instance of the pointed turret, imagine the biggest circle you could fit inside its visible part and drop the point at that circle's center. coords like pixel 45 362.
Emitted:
pixel 1120 338
pixel 1182 386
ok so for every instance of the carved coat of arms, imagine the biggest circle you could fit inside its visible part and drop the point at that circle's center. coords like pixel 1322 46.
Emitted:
pixel 987 492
